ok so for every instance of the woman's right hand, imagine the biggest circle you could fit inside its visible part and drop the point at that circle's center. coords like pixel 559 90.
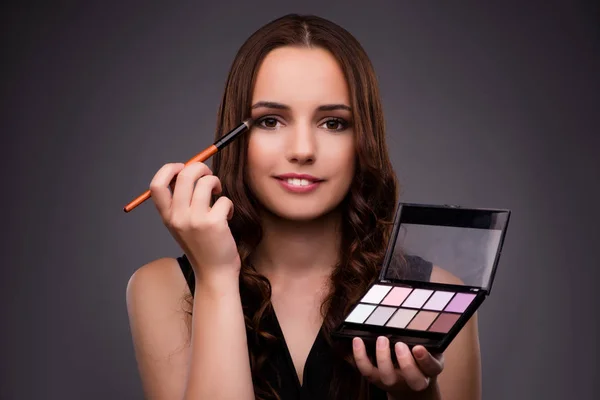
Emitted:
pixel 200 230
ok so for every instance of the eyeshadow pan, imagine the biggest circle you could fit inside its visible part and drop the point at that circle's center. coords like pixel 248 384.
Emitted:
pixel 376 294
pixel 360 313
pixel 417 298
pixel 460 302
pixel 380 315
pixel 444 323
pixel 438 301
pixel 401 318
pixel 422 321
pixel 396 296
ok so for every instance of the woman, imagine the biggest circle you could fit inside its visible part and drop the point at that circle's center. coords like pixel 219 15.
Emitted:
pixel 282 237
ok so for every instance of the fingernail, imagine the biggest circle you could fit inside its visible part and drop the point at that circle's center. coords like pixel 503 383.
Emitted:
pixel 420 352
pixel 381 342
pixel 356 343
pixel 401 348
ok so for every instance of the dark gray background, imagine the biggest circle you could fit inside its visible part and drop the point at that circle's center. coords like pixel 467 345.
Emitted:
pixel 486 105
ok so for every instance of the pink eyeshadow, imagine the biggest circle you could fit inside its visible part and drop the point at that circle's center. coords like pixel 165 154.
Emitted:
pixel 417 298
pixel 438 301
pixel 396 296
pixel 444 323
pixel 460 302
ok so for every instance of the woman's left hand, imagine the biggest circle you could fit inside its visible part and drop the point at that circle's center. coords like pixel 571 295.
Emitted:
pixel 416 377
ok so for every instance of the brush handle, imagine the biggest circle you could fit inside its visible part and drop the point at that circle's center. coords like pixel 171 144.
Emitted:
pixel 200 157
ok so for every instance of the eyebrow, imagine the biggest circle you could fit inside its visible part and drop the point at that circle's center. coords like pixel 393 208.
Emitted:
pixel 325 107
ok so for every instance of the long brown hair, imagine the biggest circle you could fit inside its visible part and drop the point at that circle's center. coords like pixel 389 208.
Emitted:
pixel 367 209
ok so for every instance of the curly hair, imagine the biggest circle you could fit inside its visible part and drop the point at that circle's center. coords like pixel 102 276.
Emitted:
pixel 367 209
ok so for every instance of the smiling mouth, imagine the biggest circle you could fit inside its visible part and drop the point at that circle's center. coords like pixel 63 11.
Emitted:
pixel 298 182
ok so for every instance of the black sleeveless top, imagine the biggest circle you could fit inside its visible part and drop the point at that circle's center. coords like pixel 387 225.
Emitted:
pixel 319 363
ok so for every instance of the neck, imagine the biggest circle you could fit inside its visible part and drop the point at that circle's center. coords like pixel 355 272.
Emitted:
pixel 298 249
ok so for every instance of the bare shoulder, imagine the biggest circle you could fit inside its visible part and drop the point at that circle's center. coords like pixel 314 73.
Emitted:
pixel 159 323
pixel 440 275
pixel 461 378
pixel 156 285
pixel 159 277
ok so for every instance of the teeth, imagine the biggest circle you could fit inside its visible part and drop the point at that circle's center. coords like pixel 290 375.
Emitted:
pixel 298 182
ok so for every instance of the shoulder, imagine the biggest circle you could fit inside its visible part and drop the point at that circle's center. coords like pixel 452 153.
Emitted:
pixel 413 267
pixel 158 309
pixel 440 275
pixel 461 378
pixel 408 266
pixel 162 273
pixel 160 281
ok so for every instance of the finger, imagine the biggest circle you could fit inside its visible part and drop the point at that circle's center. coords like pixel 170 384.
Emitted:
pixel 430 365
pixel 205 188
pixel 387 372
pixel 159 187
pixel 223 206
pixel 184 186
pixel 408 367
pixel 362 360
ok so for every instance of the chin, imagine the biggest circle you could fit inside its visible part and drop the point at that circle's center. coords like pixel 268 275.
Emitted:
pixel 298 215
pixel 301 209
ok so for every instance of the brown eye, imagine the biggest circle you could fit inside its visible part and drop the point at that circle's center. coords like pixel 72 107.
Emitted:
pixel 336 124
pixel 268 122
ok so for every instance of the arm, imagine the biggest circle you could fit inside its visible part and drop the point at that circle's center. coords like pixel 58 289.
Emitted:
pixel 204 356
pixel 461 377
pixel 454 375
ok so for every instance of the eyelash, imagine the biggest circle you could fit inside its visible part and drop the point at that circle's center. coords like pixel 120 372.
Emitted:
pixel 344 124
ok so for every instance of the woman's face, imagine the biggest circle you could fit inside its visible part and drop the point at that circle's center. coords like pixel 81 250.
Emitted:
pixel 301 148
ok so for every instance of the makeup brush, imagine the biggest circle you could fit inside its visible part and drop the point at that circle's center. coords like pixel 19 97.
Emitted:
pixel 200 157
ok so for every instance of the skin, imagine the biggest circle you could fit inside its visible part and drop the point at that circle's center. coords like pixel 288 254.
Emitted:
pixel 297 254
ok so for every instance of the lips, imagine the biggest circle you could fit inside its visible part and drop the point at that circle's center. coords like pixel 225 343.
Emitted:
pixel 299 183
pixel 305 177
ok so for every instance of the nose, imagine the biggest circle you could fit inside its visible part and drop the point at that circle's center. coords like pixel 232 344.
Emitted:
pixel 301 146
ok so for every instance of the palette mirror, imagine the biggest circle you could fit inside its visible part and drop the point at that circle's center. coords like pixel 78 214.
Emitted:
pixel 439 267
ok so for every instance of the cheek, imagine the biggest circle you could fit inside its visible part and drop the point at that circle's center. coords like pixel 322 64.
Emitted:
pixel 253 154
pixel 262 146
pixel 260 154
pixel 343 156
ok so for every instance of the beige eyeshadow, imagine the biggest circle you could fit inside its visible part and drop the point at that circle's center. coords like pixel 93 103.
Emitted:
pixel 380 315
pixel 401 318
pixel 422 321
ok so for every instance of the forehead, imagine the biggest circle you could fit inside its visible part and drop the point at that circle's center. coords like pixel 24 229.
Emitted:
pixel 294 75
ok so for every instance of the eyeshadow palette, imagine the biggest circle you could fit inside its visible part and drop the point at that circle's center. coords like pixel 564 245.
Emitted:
pixel 408 308
pixel 414 300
